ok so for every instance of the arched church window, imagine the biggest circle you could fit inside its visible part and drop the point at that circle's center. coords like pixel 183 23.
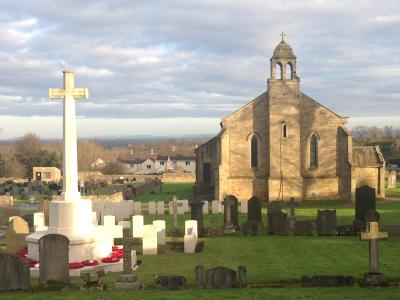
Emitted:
pixel 284 130
pixel 278 70
pixel 289 71
pixel 254 152
pixel 314 151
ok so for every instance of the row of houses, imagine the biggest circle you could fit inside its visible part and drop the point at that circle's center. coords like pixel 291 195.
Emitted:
pixel 158 164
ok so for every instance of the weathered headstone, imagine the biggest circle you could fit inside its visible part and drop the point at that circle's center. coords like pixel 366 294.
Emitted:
pixel 242 281
pixel 274 206
pixel 170 282
pixel 253 225
pixel 17 230
pixel 93 280
pixel 205 207
pixel 221 277
pixel 128 279
pixel 197 214
pixel 54 258
pixel 374 277
pixel 277 223
pixel 392 179
pixel 160 227
pixel 14 274
pixel 137 208
pixel 326 222
pixel 231 222
pixel 199 272
pixel 393 230
pixel 215 207
pixel 190 238
pixel 372 216
pixel 160 208
pixel 365 200
pixel 303 228
pixel 152 208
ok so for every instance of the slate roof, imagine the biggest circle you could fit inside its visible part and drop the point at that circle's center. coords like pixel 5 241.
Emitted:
pixel 367 156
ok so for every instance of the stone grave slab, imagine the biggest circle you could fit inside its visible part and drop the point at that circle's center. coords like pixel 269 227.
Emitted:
pixel 220 277
pixel 14 273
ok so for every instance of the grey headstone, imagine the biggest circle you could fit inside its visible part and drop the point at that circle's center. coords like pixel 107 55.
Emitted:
pixel 54 258
pixel 365 200
pixel 221 277
pixel 231 212
pixel 303 228
pixel 196 211
pixel 14 273
pixel 274 207
pixel 199 272
pixel 393 230
pixel 277 223
pixel 326 222
pixel 253 226
pixel 242 282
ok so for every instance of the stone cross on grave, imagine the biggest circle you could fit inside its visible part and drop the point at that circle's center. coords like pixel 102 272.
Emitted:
pixel 70 162
pixel 373 236
pixel 127 242
pixel 175 205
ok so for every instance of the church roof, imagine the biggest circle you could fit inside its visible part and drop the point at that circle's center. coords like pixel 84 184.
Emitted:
pixel 367 156
pixel 283 50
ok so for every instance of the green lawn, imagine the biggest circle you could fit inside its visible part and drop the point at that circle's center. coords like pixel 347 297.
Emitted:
pixel 269 260
pixel 181 190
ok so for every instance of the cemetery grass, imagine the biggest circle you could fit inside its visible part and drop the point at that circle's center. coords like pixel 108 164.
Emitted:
pixel 394 192
pixel 272 260
pixel 181 190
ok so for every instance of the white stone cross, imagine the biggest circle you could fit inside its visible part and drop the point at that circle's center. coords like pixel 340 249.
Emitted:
pixel 70 162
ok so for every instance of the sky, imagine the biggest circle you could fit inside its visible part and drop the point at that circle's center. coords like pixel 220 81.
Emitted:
pixel 170 68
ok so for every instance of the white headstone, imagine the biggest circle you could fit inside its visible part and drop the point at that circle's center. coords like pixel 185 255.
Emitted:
pixel 215 207
pixel 185 205
pixel 181 208
pixel 152 208
pixel 190 241
pixel 137 208
pixel 133 258
pixel 160 208
pixel 221 208
pixel 137 226
pixel 170 208
pixel 149 240
pixel 109 221
pixel 205 207
pixel 160 227
pixel 191 224
pixel 39 222
pixel 243 206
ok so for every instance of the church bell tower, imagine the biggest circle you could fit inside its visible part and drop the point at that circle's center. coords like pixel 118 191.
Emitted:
pixel 283 126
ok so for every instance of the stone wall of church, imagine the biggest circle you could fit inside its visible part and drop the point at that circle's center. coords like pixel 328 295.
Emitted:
pixel 237 177
pixel 317 119
pixel 321 188
pixel 370 176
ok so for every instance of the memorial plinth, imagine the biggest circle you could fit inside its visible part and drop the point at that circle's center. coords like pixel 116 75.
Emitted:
pixel 72 216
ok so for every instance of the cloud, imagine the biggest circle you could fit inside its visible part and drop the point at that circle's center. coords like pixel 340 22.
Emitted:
pixel 195 59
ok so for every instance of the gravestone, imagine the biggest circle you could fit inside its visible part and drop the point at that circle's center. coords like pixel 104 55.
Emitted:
pixel 303 228
pixel 160 227
pixel 128 279
pixel 365 200
pixel 391 181
pixel 199 274
pixel 93 280
pixel 137 226
pixel 274 206
pixel 149 243
pixel 220 277
pixel 137 208
pixel 215 207
pixel 17 230
pixel 393 230
pixel 205 207
pixel 244 207
pixel 326 222
pixel 14 273
pixel 160 208
pixel 170 282
pixel 253 225
pixel 277 223
pixel 45 209
pixel 242 281
pixel 197 214
pixel 372 216
pixel 152 208
pixel 231 222
pixel 54 258
pixel 374 277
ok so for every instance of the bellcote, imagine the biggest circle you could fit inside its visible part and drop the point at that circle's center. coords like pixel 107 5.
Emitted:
pixel 283 62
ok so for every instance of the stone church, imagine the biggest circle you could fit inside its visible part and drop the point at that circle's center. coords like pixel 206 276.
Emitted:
pixel 285 144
